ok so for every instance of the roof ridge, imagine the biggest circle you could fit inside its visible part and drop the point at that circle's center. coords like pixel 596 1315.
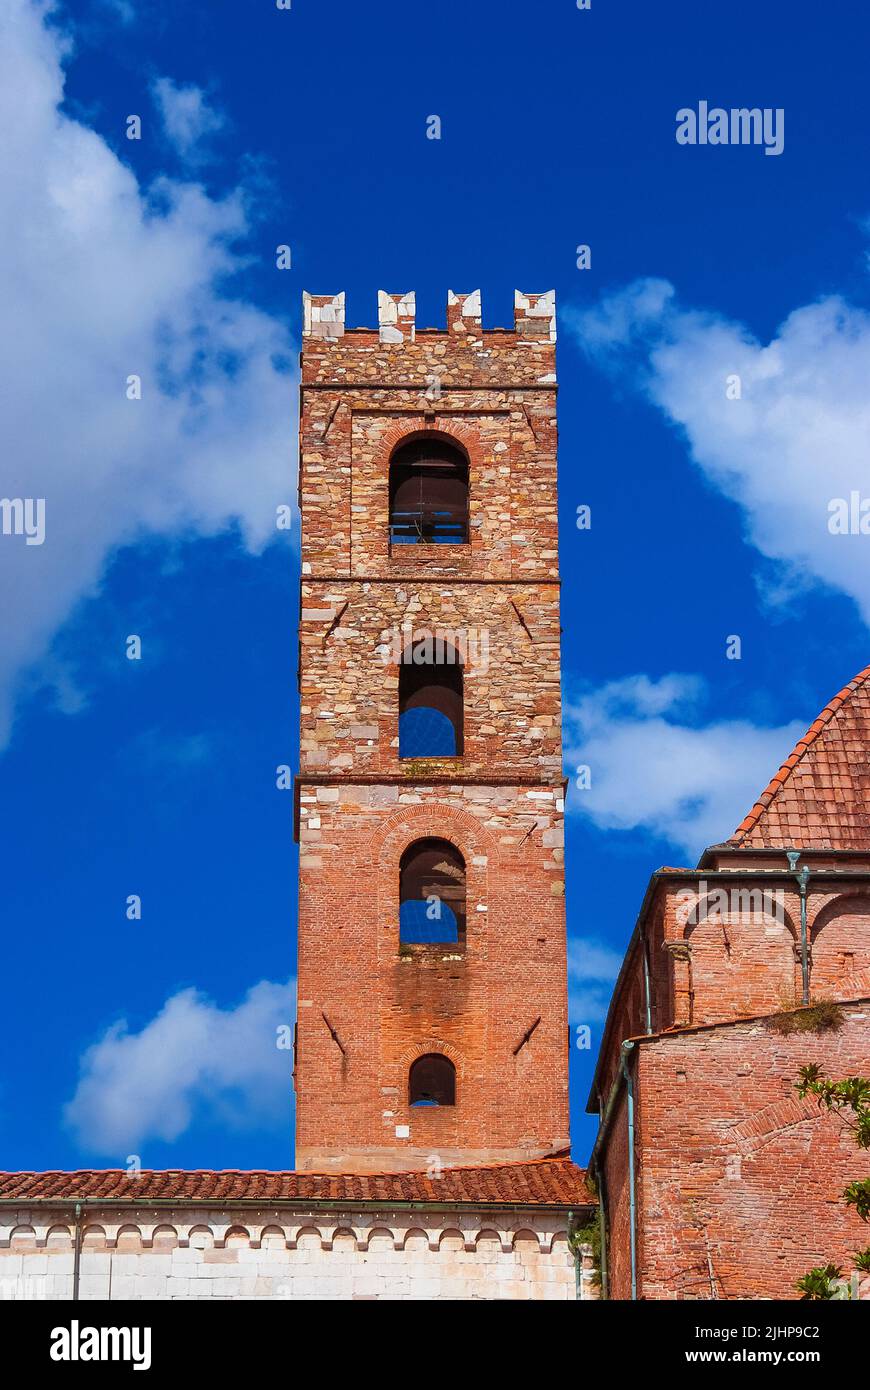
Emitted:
pixel 799 751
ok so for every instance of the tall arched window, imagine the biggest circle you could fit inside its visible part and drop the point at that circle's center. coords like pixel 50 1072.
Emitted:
pixel 432 1081
pixel 432 893
pixel 430 700
pixel 429 493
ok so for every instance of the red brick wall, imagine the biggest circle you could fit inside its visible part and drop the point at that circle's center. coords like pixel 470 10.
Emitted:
pixel 731 965
pixel 743 963
pixel 742 968
pixel 734 1167
pixel 475 1005
pixel 500 803
pixel 615 1195
pixel 840 940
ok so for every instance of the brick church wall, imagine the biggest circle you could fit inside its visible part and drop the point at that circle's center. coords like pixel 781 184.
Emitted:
pixel 739 1182
pixel 736 1174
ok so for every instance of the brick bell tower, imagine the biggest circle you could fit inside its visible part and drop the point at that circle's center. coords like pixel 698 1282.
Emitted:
pixel 432 996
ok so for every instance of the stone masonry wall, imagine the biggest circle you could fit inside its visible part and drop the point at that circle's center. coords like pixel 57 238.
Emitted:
pixel 491 392
pixel 275 1254
pixel 352 634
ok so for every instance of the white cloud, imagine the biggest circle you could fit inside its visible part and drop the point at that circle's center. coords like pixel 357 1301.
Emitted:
pixel 192 1059
pixel 795 439
pixel 186 115
pixel 592 968
pixel 688 782
pixel 99 280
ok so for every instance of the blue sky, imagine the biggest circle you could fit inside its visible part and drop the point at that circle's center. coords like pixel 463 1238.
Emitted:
pixel 156 258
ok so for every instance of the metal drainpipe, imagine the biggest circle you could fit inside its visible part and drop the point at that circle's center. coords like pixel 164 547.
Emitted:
pixel 803 878
pixel 627 1047
pixel 606 1112
pixel 604 1272
pixel 78 1251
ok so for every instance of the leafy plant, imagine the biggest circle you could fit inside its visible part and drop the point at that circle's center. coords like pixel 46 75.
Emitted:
pixel 589 1235
pixel 819 1283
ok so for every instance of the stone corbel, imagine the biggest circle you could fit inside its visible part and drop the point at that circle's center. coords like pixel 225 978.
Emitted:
pixel 679 950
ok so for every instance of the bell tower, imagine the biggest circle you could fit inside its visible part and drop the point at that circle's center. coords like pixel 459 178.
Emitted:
pixel 432 998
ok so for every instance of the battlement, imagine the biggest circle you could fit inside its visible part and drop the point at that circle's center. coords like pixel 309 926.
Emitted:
pixel 534 317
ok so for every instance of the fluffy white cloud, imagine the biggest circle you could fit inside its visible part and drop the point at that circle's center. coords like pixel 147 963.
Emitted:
pixel 592 968
pixel 192 1059
pixel 655 767
pixel 794 439
pixel 100 280
pixel 187 117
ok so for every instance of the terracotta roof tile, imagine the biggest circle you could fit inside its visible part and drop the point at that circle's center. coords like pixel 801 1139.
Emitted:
pixel 800 806
pixel 555 1182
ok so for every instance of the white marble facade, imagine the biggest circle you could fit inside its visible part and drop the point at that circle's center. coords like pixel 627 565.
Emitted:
pixel 182 1252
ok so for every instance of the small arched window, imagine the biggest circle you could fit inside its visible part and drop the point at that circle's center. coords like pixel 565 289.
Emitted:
pixel 432 1081
pixel 430 700
pixel 432 893
pixel 429 493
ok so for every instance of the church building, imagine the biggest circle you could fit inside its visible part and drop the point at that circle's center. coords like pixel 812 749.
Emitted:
pixel 716 1178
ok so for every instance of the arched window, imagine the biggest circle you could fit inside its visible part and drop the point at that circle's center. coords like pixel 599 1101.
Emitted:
pixel 432 1081
pixel 429 493
pixel 432 893
pixel 430 700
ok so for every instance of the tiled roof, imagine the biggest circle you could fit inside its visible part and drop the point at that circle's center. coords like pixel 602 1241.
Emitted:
pixel 820 798
pixel 548 1182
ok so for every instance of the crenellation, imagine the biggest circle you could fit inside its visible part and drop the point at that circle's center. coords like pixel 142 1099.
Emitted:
pixel 323 316
pixel 350 355
pixel 396 317
pixel 464 313
pixel 535 315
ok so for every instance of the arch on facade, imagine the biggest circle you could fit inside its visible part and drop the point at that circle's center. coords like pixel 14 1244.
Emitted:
pixel 432 892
